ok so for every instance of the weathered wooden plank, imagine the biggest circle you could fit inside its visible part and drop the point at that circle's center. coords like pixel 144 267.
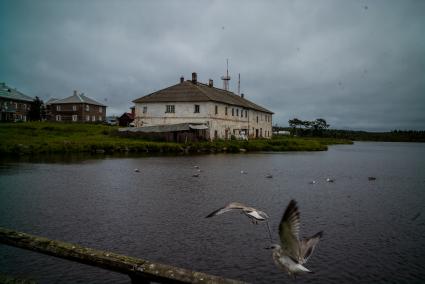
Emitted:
pixel 136 268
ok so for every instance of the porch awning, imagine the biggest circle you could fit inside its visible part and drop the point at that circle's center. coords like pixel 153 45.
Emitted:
pixel 198 126
pixel 165 128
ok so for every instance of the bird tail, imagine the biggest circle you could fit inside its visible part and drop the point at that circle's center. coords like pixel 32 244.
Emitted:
pixel 303 269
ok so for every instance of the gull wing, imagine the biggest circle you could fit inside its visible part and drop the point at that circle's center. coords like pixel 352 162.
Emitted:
pixel 227 208
pixel 289 229
pixel 307 246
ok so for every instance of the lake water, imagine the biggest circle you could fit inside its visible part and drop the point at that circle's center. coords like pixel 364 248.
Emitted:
pixel 374 231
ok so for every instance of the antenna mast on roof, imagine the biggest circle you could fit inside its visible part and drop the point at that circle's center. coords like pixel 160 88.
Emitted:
pixel 226 78
pixel 239 84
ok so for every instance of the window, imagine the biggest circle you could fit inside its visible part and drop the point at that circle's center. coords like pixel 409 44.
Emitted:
pixel 145 109
pixel 170 109
pixel 25 106
pixel 237 112
pixel 58 117
pixel 93 118
pixel 233 112
pixel 100 109
pixel 74 107
pixel 216 109
pixel 196 109
pixel 225 110
pixel 100 118
pixel 246 113
pixel 58 108
pixel 74 117
pixel 241 112
pixel 87 117
pixel 215 134
pixel 257 118
pixel 87 108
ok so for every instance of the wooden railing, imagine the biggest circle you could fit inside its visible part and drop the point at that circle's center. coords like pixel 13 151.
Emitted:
pixel 139 270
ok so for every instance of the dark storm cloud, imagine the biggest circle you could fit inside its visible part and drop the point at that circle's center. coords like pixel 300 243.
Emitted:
pixel 358 64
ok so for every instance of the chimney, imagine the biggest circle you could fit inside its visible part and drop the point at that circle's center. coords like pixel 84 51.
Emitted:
pixel 242 95
pixel 181 79
pixel 194 78
pixel 210 83
pixel 75 92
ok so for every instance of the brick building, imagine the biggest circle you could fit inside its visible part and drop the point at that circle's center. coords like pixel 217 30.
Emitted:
pixel 14 105
pixel 76 108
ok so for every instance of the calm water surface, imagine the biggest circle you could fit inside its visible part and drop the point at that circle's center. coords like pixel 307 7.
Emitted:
pixel 372 230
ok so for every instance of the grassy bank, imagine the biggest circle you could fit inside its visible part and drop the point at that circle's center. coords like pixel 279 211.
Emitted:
pixel 50 137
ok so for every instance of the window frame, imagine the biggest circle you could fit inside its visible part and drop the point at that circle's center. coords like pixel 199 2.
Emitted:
pixel 170 109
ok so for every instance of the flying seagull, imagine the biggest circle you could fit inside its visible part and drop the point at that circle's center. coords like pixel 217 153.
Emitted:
pixel 293 253
pixel 252 213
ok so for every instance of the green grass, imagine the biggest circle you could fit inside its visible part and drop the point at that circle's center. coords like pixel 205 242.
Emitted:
pixel 51 137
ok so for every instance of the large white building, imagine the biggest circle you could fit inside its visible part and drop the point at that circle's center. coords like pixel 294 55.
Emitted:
pixel 224 113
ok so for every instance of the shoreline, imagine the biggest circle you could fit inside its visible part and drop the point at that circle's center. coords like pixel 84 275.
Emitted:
pixel 61 138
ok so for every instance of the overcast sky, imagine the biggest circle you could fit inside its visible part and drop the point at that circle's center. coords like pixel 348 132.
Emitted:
pixel 358 64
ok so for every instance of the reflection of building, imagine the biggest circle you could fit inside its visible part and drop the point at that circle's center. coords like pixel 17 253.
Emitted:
pixel 224 113
pixel 76 108
pixel 14 105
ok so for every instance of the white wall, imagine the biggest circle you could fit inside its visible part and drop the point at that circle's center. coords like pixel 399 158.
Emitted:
pixel 220 122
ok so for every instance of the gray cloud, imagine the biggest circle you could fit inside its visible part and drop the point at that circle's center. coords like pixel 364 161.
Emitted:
pixel 358 64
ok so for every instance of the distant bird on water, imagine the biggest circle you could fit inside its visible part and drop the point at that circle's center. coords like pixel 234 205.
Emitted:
pixel 252 213
pixel 293 253
pixel 330 180
pixel 136 170
pixel 269 176
pixel 371 178
pixel 244 172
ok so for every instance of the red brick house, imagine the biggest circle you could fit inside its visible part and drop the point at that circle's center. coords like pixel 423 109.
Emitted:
pixel 76 108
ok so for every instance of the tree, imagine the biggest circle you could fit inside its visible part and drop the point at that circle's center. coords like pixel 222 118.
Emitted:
pixel 318 126
pixel 294 123
pixel 37 109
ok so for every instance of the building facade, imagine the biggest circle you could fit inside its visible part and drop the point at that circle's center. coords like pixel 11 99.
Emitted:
pixel 76 108
pixel 225 114
pixel 14 105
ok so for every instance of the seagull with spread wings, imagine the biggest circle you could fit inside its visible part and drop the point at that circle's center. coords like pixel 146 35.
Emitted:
pixel 252 213
pixel 293 253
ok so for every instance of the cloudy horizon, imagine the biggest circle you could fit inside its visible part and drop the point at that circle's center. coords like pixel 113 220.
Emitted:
pixel 358 64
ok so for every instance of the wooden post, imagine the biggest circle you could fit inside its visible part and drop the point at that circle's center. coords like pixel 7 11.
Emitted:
pixel 139 270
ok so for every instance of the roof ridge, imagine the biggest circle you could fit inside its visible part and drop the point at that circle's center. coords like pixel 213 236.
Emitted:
pixel 81 100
